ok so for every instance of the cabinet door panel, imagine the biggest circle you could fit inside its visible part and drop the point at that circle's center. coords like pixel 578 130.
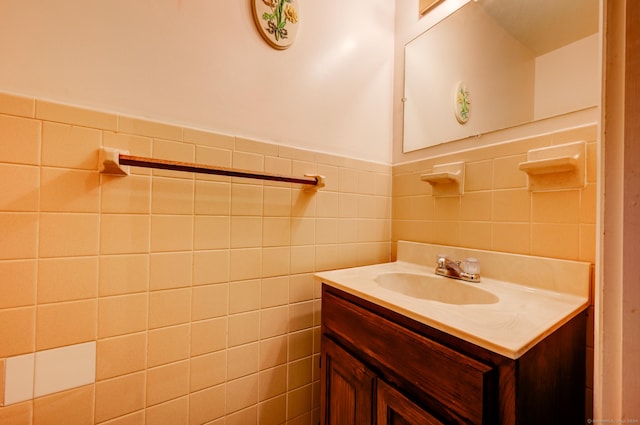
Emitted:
pixel 393 408
pixel 347 388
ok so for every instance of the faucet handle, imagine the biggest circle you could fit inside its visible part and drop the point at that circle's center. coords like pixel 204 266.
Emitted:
pixel 471 265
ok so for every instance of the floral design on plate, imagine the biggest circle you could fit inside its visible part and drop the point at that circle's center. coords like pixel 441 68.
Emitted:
pixel 277 21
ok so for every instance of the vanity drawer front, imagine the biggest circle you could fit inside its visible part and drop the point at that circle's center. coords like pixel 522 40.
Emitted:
pixel 457 388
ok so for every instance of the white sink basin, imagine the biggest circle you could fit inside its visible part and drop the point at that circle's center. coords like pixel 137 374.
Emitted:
pixel 435 288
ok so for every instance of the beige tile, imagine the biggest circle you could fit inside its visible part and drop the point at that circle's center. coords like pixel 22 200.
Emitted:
pixel 130 195
pixel 326 231
pixel 168 345
pixel 123 274
pixel 124 233
pixel 246 232
pixel 275 261
pixel 244 296
pixel 301 288
pixel 17 414
pixel 373 230
pixel 207 138
pixel 21 140
pixel 119 396
pixel 69 407
pixel 243 328
pixel 66 235
pixel 57 112
pixel 276 231
pixel 273 352
pixel 172 196
pixel 246 199
pixel 273 382
pixel 348 204
pixel 592 162
pixel 274 291
pixel 70 146
pixel 242 360
pixel 447 208
pixel 512 237
pixel 276 201
pixel 507 175
pixel 588 204
pixel 208 336
pixel 478 176
pixel 242 393
pixel 299 373
pixel 170 270
pixel 300 316
pixel 273 411
pixel 303 231
pixel 303 203
pixel 348 230
pixel 326 257
pixel 207 405
pixel 588 243
pixel 169 307
pixel 556 240
pixel 245 264
pixel 347 255
pixel 476 206
pixel 17 105
pixel 17 331
pixel 300 344
pixel 217 155
pixel 19 234
pixel 274 321
pixel 19 187
pixel 121 355
pixel 299 402
pixel 17 283
pixel 327 204
pixel 174 412
pixel 210 267
pixel 135 145
pixel 63 324
pixel 171 233
pixel 209 301
pixel 556 207
pixel 122 315
pixel 277 166
pixel 256 146
pixel 167 382
pixel 477 235
pixel 174 151
pixel 66 190
pixel 208 370
pixel 135 418
pixel 250 161
pixel 212 232
pixel 149 128
pixel 248 415
pixel 67 279
pixel 512 205
pixel 212 198
pixel 302 259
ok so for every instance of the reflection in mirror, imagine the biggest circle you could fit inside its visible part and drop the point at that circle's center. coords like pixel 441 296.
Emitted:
pixel 518 60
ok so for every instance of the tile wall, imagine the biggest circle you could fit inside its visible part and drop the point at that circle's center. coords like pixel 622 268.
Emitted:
pixel 497 211
pixel 194 292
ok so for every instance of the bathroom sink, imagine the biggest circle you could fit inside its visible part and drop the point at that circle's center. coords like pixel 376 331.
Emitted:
pixel 435 288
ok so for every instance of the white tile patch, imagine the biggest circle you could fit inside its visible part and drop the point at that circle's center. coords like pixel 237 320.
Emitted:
pixel 64 368
pixel 50 371
pixel 18 380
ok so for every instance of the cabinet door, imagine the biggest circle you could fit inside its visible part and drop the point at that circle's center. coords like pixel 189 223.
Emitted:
pixel 347 388
pixel 393 408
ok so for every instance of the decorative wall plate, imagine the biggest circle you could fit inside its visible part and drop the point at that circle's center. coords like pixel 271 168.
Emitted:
pixel 462 103
pixel 277 21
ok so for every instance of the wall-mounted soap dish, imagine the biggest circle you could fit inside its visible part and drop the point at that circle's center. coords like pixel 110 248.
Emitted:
pixel 556 167
pixel 446 179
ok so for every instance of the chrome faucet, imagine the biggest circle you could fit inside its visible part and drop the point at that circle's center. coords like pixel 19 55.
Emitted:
pixel 468 270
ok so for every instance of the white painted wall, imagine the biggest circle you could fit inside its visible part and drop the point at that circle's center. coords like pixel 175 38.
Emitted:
pixel 202 63
pixel 568 79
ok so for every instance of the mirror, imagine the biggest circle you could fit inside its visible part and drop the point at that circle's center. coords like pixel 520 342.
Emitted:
pixel 508 62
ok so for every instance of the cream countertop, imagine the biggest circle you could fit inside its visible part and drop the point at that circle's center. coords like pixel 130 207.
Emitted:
pixel 522 316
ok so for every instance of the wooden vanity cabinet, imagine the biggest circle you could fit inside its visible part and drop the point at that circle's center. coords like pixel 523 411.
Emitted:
pixel 380 367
